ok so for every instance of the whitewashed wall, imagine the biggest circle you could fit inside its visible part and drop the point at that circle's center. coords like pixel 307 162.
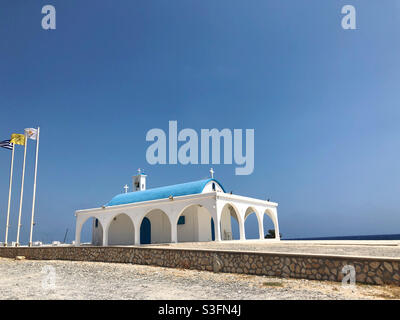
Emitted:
pixel 208 187
pixel 160 227
pixel 121 231
pixel 226 225
pixel 204 225
pixel 197 225
pixel 189 232
pixel 97 234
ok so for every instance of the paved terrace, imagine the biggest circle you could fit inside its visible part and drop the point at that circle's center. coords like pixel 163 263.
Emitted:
pixel 358 248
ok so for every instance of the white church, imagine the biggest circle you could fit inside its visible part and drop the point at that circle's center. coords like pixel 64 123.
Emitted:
pixel 187 212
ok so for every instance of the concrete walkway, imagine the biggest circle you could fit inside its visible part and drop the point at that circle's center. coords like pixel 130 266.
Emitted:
pixel 363 248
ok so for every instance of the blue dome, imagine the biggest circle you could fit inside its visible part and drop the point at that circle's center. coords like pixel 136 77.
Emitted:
pixel 175 190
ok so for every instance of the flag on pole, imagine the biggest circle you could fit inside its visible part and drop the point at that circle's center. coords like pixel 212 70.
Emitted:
pixel 20 139
pixel 31 133
pixel 6 144
pixel 17 138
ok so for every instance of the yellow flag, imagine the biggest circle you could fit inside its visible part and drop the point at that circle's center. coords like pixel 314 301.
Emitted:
pixel 17 138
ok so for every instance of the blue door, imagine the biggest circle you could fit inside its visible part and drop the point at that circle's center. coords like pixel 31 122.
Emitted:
pixel 145 231
pixel 212 230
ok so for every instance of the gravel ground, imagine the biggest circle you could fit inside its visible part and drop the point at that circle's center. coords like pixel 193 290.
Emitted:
pixel 29 279
pixel 347 248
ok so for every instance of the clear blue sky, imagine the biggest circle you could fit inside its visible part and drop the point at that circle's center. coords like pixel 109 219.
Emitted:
pixel 324 103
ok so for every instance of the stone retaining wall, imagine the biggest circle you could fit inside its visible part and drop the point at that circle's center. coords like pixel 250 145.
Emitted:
pixel 286 265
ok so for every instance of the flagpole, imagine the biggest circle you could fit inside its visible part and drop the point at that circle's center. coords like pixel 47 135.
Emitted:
pixel 34 186
pixel 22 190
pixel 9 193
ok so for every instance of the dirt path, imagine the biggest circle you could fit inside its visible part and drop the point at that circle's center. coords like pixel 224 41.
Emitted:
pixel 94 280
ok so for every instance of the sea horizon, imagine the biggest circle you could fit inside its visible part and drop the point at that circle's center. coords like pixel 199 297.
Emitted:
pixel 353 237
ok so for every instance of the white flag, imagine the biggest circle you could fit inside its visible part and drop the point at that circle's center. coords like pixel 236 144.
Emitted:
pixel 31 133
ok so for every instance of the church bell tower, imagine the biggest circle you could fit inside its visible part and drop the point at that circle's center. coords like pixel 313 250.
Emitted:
pixel 139 181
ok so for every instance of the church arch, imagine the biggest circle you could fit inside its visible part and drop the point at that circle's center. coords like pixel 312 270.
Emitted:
pixel 252 224
pixel 121 230
pixel 230 223
pixel 91 232
pixel 195 224
pixel 269 224
pixel 160 226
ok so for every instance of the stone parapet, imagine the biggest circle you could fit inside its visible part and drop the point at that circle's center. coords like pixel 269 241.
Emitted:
pixel 368 270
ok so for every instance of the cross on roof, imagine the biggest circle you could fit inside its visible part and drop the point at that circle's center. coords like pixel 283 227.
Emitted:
pixel 212 173
pixel 126 188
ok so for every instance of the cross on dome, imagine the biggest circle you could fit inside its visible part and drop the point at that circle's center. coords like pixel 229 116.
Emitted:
pixel 212 173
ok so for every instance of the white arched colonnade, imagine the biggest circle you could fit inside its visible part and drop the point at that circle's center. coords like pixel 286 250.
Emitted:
pixel 121 224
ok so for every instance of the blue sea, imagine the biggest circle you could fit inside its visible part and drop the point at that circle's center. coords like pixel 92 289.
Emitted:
pixel 360 237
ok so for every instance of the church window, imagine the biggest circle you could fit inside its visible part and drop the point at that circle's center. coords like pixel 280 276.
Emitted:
pixel 181 220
